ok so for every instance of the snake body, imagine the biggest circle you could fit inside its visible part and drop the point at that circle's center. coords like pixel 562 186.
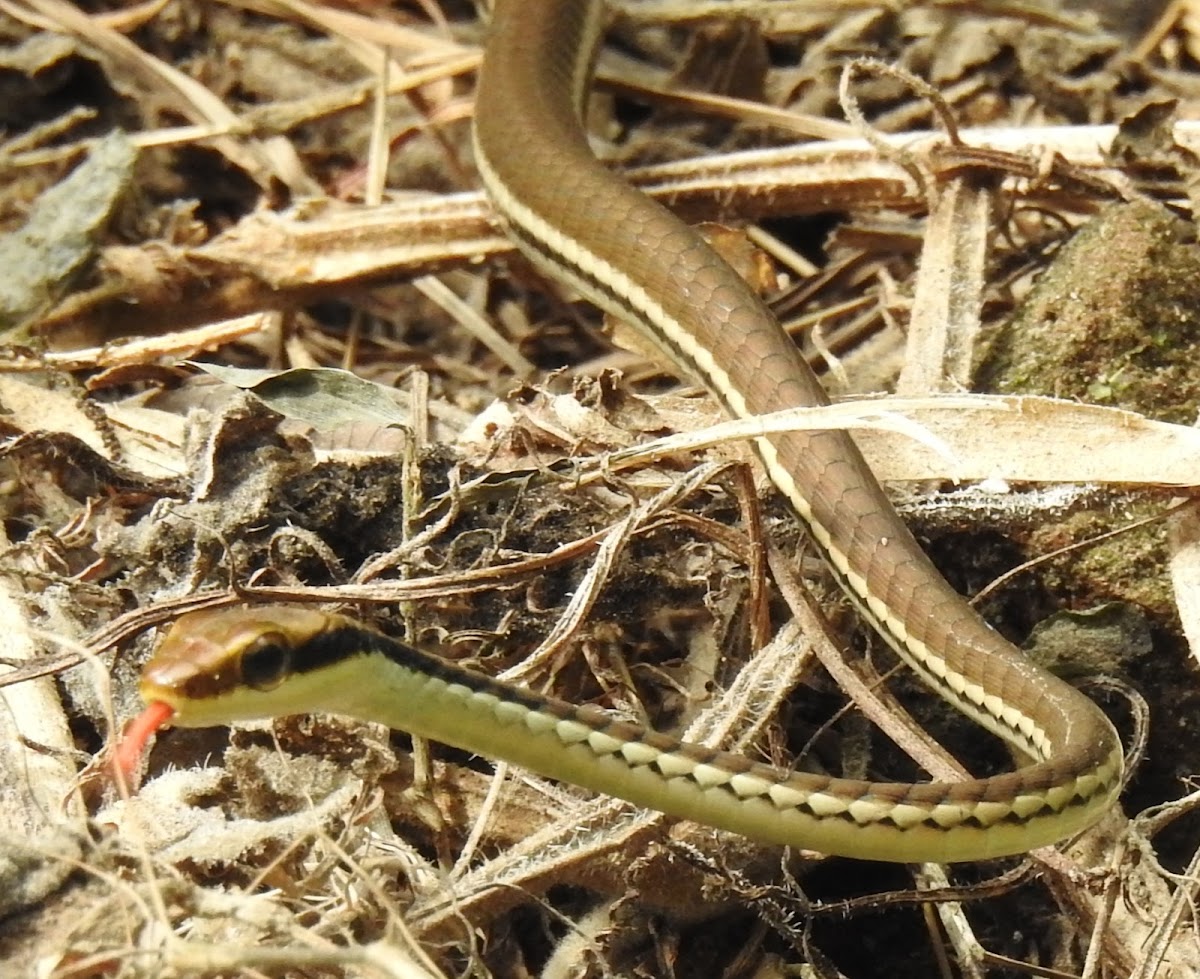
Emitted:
pixel 587 227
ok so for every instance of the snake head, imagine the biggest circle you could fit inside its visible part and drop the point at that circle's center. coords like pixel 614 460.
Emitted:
pixel 218 666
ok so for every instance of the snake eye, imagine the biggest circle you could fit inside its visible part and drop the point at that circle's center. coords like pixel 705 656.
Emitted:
pixel 266 661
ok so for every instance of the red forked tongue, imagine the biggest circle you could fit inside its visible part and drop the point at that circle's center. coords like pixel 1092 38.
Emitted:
pixel 128 754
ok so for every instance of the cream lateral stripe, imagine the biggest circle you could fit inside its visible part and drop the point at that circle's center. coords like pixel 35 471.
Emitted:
pixel 565 257
pixel 332 663
pixel 627 254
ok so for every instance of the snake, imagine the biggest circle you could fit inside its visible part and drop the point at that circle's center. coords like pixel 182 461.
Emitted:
pixel 586 227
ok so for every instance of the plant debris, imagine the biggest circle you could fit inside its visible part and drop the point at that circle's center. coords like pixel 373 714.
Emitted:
pixel 265 341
